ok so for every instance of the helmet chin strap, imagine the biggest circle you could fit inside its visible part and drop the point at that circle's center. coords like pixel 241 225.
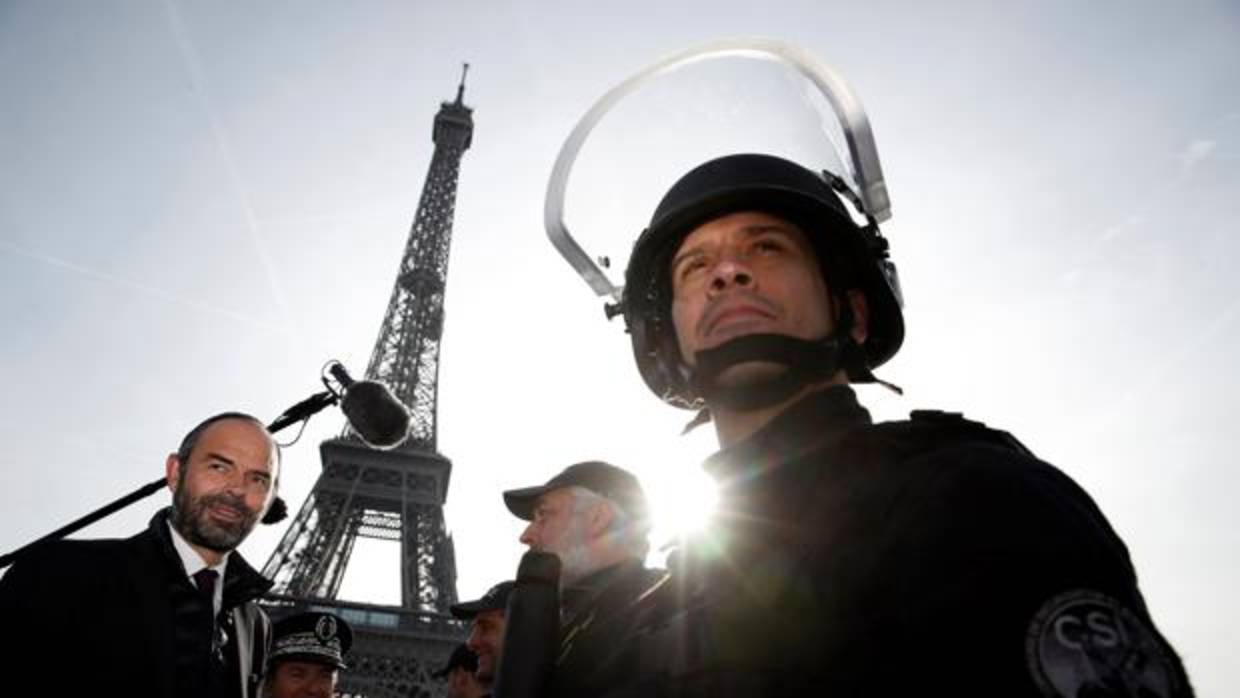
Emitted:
pixel 805 361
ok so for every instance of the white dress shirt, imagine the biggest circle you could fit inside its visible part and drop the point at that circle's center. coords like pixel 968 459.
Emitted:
pixel 193 562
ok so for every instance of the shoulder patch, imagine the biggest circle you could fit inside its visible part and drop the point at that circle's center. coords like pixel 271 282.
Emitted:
pixel 1084 643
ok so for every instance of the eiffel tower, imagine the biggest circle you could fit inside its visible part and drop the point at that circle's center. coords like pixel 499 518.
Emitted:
pixel 395 495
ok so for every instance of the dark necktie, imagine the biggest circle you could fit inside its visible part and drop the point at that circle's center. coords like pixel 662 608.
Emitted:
pixel 205 579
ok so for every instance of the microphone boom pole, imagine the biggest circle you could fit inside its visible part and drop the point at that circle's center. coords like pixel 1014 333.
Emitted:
pixel 297 413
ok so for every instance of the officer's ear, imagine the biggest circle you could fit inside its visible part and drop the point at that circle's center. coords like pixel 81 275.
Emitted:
pixel 599 518
pixel 172 471
pixel 860 308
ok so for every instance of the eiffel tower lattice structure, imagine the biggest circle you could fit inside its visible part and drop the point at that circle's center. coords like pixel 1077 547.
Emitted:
pixel 395 495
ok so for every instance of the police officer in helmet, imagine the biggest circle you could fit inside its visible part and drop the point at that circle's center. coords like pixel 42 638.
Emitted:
pixel 723 317
pixel 932 556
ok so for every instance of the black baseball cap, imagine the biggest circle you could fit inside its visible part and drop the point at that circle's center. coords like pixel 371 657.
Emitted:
pixel 462 657
pixel 603 479
pixel 496 599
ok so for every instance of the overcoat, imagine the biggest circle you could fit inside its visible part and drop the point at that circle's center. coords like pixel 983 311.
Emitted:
pixel 121 617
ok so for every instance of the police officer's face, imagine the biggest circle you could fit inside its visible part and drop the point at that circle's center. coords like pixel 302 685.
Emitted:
pixel 226 485
pixel 561 526
pixel 294 679
pixel 746 273
pixel 486 639
pixel 552 524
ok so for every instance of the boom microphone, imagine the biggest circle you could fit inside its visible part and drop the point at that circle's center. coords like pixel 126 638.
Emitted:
pixel 372 410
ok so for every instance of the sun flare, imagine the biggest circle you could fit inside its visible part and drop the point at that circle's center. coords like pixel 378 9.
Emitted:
pixel 682 496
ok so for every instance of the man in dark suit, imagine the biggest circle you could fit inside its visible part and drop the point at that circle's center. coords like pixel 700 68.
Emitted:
pixel 169 611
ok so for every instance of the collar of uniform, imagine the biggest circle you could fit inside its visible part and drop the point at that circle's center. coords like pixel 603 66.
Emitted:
pixel 584 591
pixel 815 420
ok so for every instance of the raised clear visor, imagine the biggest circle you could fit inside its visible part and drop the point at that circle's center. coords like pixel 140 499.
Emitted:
pixel 727 97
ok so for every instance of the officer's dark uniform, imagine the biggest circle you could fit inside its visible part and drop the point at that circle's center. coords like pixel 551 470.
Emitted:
pixel 596 612
pixel 927 557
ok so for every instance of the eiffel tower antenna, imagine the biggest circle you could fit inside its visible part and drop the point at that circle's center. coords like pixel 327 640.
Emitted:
pixel 460 90
pixel 395 495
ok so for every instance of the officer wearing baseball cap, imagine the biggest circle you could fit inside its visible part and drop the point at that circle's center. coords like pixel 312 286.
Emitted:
pixel 486 616
pixel 595 518
pixel 307 654
pixel 495 599
pixel 603 479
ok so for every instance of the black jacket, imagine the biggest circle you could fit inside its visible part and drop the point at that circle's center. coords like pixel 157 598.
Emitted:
pixel 927 557
pixel 597 611
pixel 120 617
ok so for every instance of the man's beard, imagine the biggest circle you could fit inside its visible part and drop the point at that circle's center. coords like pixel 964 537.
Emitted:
pixel 576 560
pixel 192 520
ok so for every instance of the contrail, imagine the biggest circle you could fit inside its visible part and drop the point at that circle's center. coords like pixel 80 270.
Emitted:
pixel 161 294
pixel 198 86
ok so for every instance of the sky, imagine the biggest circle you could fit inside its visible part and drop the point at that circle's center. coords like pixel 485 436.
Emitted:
pixel 203 202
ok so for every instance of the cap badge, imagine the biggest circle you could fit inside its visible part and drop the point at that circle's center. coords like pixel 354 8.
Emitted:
pixel 325 629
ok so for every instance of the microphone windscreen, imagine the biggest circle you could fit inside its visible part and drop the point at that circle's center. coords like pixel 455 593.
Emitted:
pixel 532 628
pixel 375 414
pixel 277 512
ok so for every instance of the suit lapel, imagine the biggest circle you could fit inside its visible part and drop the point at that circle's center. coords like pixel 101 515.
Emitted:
pixel 151 576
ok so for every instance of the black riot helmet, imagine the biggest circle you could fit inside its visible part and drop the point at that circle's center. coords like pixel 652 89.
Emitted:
pixel 852 256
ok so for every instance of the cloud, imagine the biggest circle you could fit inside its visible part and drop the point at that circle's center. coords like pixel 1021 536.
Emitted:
pixel 1114 231
pixel 1195 152
pixel 158 293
